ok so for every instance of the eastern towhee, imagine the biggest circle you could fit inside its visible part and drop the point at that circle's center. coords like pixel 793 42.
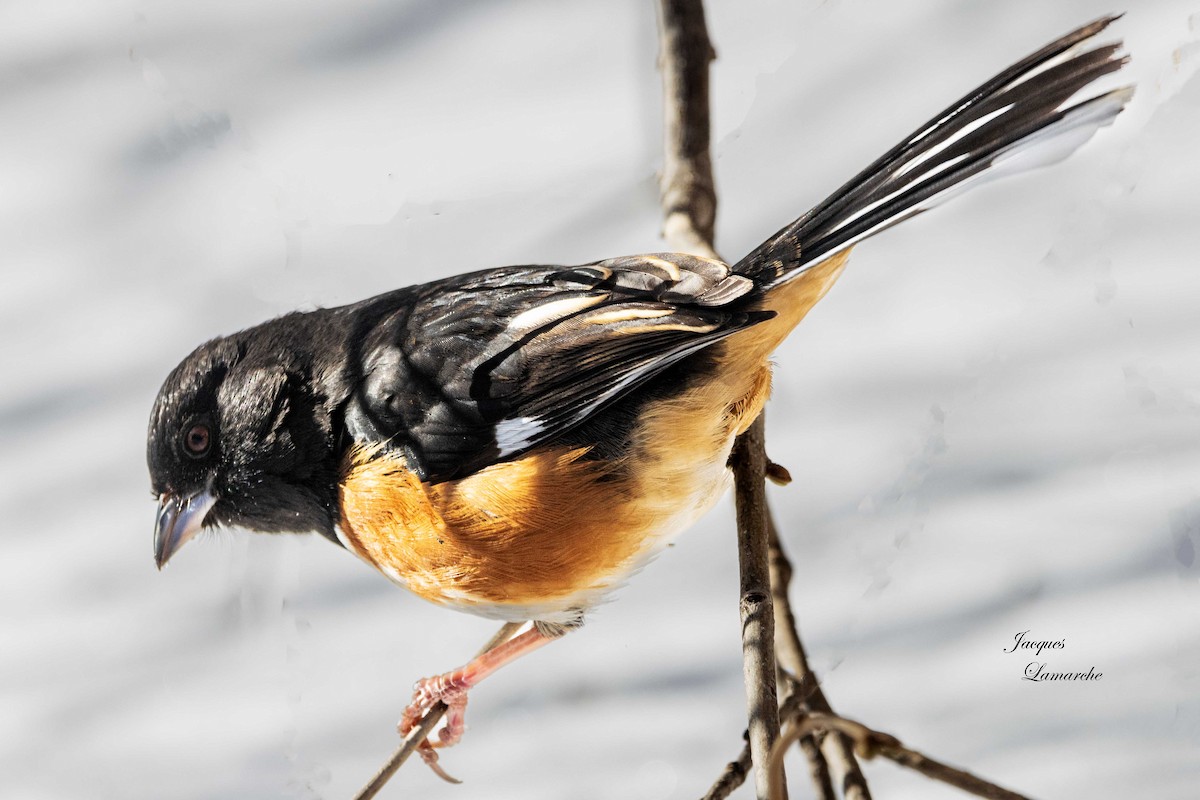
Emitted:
pixel 516 442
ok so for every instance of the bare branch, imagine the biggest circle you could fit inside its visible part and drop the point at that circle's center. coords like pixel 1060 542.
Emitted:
pixel 947 774
pixel 689 196
pixel 836 748
pixel 689 201
pixel 869 743
pixel 758 622
pixel 420 733
pixel 791 657
pixel 734 775
pixel 736 771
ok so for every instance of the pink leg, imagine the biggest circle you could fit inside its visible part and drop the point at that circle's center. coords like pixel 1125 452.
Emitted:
pixel 451 688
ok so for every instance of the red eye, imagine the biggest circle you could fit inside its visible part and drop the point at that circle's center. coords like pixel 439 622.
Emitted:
pixel 197 440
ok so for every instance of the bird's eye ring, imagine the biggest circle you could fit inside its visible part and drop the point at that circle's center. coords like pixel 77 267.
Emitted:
pixel 197 440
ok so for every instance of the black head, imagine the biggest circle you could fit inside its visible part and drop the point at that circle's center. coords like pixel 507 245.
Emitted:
pixel 240 435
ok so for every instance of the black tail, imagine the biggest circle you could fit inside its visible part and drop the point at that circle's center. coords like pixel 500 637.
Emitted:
pixel 1013 122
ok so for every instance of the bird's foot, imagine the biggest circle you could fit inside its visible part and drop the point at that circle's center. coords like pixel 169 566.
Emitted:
pixel 451 689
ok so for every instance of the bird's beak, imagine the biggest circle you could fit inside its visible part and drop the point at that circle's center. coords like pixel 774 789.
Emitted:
pixel 179 519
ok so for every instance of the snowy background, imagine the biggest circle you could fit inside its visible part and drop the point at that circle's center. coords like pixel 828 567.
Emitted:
pixel 993 420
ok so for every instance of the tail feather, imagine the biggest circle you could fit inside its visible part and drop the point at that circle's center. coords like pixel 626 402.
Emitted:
pixel 1013 122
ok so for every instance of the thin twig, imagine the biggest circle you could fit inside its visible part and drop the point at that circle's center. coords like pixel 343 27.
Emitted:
pixel 420 733
pixel 734 775
pixel 869 743
pixel 835 748
pixel 407 747
pixel 736 771
pixel 791 656
pixel 798 693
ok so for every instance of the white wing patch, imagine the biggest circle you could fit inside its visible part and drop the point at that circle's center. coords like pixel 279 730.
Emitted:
pixel 513 435
pixel 555 310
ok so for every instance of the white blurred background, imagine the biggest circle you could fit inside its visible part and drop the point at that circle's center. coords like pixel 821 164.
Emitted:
pixel 993 420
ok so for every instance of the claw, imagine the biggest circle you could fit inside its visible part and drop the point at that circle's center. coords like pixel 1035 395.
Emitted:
pixel 430 757
pixel 450 689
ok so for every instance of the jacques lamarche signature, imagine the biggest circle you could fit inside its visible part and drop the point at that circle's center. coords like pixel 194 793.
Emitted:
pixel 1038 671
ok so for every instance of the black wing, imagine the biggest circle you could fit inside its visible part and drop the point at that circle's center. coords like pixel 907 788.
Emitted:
pixel 482 368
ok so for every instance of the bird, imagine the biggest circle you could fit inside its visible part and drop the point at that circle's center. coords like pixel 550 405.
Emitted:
pixel 517 442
